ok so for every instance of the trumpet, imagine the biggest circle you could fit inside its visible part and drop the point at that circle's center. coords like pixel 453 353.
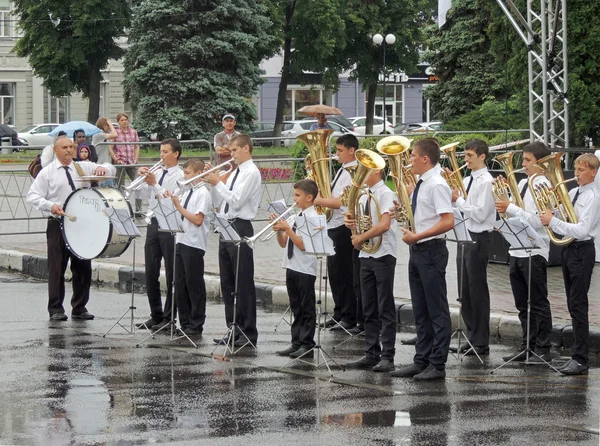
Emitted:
pixel 140 181
pixel 267 233
pixel 186 185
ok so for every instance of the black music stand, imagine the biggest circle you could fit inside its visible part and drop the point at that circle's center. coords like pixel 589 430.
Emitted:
pixel 124 224
pixel 316 242
pixel 461 238
pixel 230 235
pixel 521 236
pixel 169 220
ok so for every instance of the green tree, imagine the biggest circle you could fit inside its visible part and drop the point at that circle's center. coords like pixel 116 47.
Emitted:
pixel 190 61
pixel 69 42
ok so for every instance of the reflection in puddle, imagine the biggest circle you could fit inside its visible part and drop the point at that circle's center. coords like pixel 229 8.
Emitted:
pixel 378 418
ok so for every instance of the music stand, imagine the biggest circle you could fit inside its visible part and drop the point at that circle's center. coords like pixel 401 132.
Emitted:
pixel 317 243
pixel 521 236
pixel 461 238
pixel 169 220
pixel 123 223
pixel 230 235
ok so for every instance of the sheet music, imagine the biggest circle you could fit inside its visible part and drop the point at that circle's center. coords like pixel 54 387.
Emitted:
pixel 278 207
pixel 518 234
pixel 167 216
pixel 313 231
pixel 122 222
pixel 227 231
pixel 460 232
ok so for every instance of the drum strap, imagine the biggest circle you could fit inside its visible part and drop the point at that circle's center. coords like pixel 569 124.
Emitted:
pixel 79 170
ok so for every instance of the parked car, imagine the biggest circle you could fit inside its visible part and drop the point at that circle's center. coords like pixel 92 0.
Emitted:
pixel 262 130
pixel 339 119
pixel 7 131
pixel 418 127
pixel 37 135
pixel 293 129
pixel 359 125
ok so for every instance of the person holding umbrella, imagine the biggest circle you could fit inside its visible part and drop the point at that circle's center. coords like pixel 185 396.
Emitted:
pixel 321 123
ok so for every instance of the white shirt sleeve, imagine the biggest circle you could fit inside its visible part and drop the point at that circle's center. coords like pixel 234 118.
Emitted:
pixel 589 214
pixel 36 196
pixel 483 207
pixel 249 185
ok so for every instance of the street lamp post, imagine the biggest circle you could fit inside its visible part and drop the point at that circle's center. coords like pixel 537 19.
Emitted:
pixel 378 39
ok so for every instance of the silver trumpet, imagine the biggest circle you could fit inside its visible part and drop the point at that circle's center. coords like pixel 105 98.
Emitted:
pixel 267 233
pixel 140 181
pixel 186 185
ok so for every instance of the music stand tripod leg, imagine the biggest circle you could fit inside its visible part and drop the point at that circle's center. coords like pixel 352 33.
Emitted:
pixel 283 319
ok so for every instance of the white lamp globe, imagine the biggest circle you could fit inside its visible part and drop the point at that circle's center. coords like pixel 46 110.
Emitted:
pixel 377 39
pixel 390 39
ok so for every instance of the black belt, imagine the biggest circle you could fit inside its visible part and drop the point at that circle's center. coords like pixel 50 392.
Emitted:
pixel 239 220
pixel 580 243
pixel 423 246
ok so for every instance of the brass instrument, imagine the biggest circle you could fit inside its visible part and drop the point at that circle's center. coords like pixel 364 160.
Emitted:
pixel 368 161
pixel 396 148
pixel 554 197
pixel 316 143
pixel 267 233
pixel 188 184
pixel 140 181
pixel 454 178
pixel 504 188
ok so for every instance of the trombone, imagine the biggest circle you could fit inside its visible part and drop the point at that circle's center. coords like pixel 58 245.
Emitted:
pixel 186 185
pixel 140 181
pixel 267 233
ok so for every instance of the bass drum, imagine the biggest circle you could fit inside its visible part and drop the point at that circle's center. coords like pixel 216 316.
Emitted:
pixel 92 235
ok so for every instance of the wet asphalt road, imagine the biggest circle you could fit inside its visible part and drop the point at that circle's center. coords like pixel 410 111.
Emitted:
pixel 63 384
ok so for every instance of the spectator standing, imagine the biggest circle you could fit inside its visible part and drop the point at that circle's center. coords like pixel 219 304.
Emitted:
pixel 126 152
pixel 321 123
pixel 222 139
pixel 108 133
pixel 79 139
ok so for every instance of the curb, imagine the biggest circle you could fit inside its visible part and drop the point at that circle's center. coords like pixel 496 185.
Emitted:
pixel 118 277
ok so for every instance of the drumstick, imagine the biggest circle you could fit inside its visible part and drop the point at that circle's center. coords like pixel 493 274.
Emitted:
pixel 70 217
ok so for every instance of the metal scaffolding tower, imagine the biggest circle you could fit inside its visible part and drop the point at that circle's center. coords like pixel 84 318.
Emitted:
pixel 545 35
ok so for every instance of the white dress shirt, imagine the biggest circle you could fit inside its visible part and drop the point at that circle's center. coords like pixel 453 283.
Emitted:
pixel 200 203
pixel 389 240
pixel 478 208
pixel 434 198
pixel 169 183
pixel 530 216
pixel 587 209
pixel 342 179
pixel 301 262
pixel 244 196
pixel 52 185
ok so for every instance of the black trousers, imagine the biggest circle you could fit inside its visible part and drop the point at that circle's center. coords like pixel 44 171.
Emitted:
pixel 360 318
pixel 475 291
pixel 427 279
pixel 379 309
pixel 246 299
pixel 159 246
pixel 81 270
pixel 301 290
pixel 577 266
pixel 190 289
pixel 341 279
pixel 541 317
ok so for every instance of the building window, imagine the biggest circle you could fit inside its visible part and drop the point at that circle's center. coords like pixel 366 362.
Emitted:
pixel 296 98
pixel 394 97
pixel 7 103
pixel 58 111
pixel 6 23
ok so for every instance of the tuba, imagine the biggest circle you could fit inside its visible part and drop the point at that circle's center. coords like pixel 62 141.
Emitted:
pixel 396 148
pixel 554 197
pixel 506 187
pixel 316 142
pixel 454 178
pixel 368 161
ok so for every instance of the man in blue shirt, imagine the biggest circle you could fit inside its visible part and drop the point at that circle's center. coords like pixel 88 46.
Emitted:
pixel 321 123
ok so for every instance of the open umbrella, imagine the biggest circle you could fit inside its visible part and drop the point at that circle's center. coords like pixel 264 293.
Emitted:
pixel 70 127
pixel 317 109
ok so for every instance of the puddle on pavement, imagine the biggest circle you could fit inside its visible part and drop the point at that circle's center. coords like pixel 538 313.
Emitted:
pixel 381 418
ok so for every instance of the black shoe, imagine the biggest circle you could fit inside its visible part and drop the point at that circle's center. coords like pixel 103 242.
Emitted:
pixel 329 323
pixel 58 317
pixel 355 331
pixel 241 342
pixel 463 348
pixel 192 332
pixel 287 351
pixel 302 351
pixel 365 362
pixel 407 371
pixel 481 351
pixel 221 341
pixel 430 374
pixel 160 325
pixel 385 365
pixel 573 367
pixel 83 316
pixel 342 326
pixel 148 324
pixel 542 358
pixel 518 356
pixel 409 341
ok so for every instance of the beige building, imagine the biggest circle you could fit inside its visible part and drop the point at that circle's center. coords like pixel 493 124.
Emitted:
pixel 25 101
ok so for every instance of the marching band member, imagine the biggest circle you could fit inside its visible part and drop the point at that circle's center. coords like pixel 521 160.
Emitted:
pixel 343 266
pixel 48 194
pixel 540 315
pixel 160 245
pixel 433 215
pixel 479 211
pixel 578 257
pixel 301 272
pixel 238 199
pixel 377 277
pixel 190 289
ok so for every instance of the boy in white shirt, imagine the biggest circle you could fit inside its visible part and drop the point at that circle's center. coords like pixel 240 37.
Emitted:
pixel 190 289
pixel 301 272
